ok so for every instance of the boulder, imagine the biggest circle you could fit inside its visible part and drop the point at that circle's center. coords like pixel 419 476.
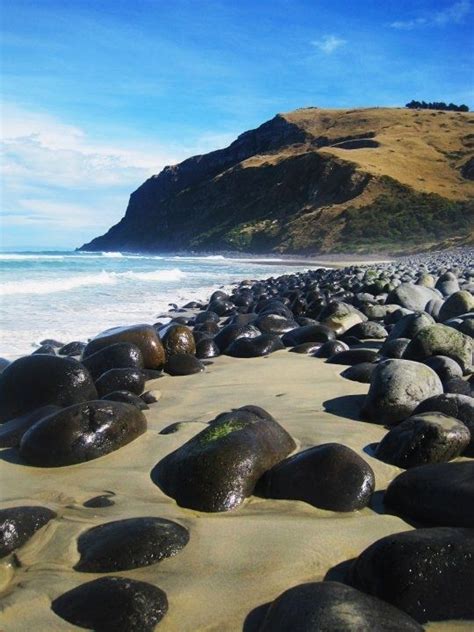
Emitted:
pixel 368 330
pixel 410 325
pixel 447 284
pixel 219 467
pixel 254 347
pixel 394 348
pixel 329 476
pixel 177 339
pixel 330 348
pixel 35 381
pixel 353 356
pixel 360 372
pixel 81 433
pixel 441 340
pixel 411 296
pixel 132 380
pixel 122 355
pixel 19 524
pixel 424 438
pixel 396 389
pixel 459 303
pixel 206 348
pixel 308 333
pixel 460 407
pixel 127 398
pixel 12 431
pixel 428 573
pixel 183 364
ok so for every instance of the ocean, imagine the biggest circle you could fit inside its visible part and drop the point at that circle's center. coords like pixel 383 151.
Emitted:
pixel 68 295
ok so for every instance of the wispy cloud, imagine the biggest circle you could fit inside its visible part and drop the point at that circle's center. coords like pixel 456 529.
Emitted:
pixel 454 14
pixel 329 43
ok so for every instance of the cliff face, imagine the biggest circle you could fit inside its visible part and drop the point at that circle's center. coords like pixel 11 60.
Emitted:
pixel 312 181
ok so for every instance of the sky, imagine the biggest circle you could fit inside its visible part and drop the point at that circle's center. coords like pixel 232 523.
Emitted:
pixel 99 95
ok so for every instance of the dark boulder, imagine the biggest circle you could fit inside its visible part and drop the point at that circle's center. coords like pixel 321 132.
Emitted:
pixel 206 348
pixel 308 333
pixel 127 398
pixel 254 347
pixel 360 372
pixel 308 348
pixel 368 330
pixel 333 607
pixel 353 356
pixel 35 381
pixel 12 431
pixel 428 573
pixel 441 340
pixel 81 433
pixel 445 367
pixel 229 333
pixel 274 324
pixel 177 339
pixel 74 348
pixel 424 438
pixel 113 604
pixel 126 544
pixel 132 380
pixel 329 476
pixel 458 406
pixel 183 364
pixel 220 466
pixel 330 348
pixel 18 524
pixel 122 355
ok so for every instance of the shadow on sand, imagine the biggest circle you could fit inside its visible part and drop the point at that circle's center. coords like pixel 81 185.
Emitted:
pixel 348 406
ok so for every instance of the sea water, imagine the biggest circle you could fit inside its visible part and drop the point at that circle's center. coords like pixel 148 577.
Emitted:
pixel 68 295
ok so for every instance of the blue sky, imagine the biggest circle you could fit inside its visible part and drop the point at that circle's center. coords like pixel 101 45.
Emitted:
pixel 100 94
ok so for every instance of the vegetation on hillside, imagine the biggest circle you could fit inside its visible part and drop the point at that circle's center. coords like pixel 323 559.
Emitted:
pixel 436 105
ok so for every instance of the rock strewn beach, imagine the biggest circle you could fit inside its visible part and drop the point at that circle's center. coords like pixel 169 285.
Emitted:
pixel 245 470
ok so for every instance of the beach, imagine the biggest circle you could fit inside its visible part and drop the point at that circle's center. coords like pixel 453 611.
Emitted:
pixel 236 561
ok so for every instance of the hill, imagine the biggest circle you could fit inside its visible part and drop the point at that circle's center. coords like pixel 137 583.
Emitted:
pixel 314 181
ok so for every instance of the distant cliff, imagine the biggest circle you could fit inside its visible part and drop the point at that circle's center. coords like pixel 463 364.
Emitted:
pixel 314 181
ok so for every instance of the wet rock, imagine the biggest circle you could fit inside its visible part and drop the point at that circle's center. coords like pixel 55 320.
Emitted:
pixel 440 494
pixel 360 372
pixel 428 573
pixel 18 524
pixel 333 607
pixel 221 307
pixel 81 432
pixel 3 364
pixel 220 466
pixel 368 330
pixel 151 397
pixel 12 431
pixel 207 348
pixel 424 438
pixel 446 368
pixel 113 604
pixel 396 389
pixel 441 340
pixel 308 348
pixel 229 333
pixel 126 544
pixel 183 364
pixel 144 337
pixel 330 476
pixel 127 398
pixel 35 381
pixel 132 380
pixel 274 324
pixel 457 304
pixel 74 348
pixel 103 500
pixel 394 348
pixel 207 316
pixel 122 355
pixel 330 348
pixel 353 356
pixel 45 350
pixel 454 405
pixel 410 325
pixel 254 347
pixel 308 333
pixel 178 339
pixel 411 296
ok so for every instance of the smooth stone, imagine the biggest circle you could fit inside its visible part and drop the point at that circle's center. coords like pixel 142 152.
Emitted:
pixel 96 502
pixel 121 355
pixel 254 347
pixel 35 381
pixel 410 325
pixel 207 348
pixel 74 348
pixel 12 431
pixel 19 524
pixel 458 303
pixel 458 386
pixel 177 339
pixel 308 333
pixel 424 438
pixel 221 307
pixel 428 573
pixel 333 607
pixel 340 316
pixel 144 337
pixel 183 364
pixel 308 348
pixel 442 340
pixel 440 494
pixel 151 374
pixel 396 389
pixel 127 398
pixel 454 405
pixel 126 544
pixel 368 330
pixel 330 348
pixel 360 372
pixel 206 316
pixel 411 296
pixel 219 467
pixel 229 333
pixel 329 476
pixel 45 350
pixel 113 604
pixel 274 324
pixel 81 433
pixel 51 342
pixel 445 367
pixel 132 380
pixel 353 356
pixel 151 397
pixel 394 348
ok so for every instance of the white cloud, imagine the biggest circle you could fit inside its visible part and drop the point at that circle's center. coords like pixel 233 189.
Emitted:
pixel 454 14
pixel 329 43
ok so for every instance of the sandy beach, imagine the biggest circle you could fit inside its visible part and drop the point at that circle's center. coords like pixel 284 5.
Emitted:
pixel 235 561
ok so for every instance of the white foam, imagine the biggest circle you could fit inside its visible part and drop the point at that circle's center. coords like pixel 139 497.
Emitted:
pixel 112 255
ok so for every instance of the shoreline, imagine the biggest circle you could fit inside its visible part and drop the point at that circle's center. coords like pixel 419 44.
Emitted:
pixel 236 560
